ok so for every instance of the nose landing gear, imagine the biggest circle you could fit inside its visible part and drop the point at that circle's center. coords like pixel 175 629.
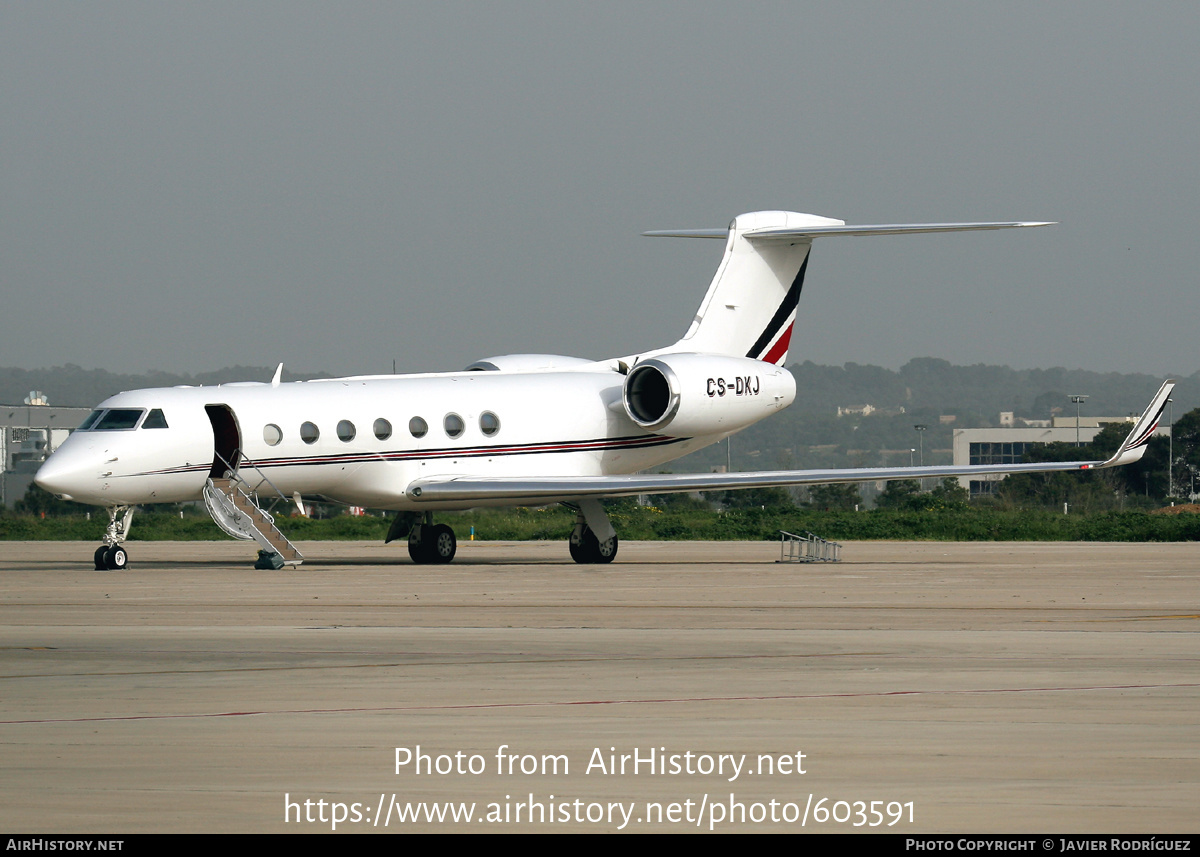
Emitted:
pixel 112 556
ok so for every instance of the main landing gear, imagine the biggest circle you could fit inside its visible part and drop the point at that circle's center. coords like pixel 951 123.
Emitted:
pixel 593 539
pixel 112 556
pixel 431 543
pixel 587 549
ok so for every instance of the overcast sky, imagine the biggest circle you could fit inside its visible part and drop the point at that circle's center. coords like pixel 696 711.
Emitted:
pixel 188 186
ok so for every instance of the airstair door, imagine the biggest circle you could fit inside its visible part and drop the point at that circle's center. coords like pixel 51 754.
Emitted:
pixel 227 441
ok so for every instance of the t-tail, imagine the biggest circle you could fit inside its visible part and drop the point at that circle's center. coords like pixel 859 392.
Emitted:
pixel 750 307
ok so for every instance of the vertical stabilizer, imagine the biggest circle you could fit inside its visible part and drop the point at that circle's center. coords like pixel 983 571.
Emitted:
pixel 750 307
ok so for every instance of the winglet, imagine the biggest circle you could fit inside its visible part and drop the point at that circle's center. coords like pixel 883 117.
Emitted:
pixel 1134 446
pixel 278 375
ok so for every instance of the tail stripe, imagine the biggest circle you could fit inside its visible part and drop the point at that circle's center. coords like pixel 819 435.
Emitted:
pixel 782 316
pixel 779 350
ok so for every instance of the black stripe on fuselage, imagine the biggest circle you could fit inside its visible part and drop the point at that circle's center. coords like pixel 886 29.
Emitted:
pixel 550 447
pixel 790 301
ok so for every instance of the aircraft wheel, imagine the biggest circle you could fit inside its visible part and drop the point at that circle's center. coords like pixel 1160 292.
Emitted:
pixel 101 565
pixel 116 558
pixel 606 551
pixel 418 545
pixel 589 550
pixel 443 544
pixel 580 543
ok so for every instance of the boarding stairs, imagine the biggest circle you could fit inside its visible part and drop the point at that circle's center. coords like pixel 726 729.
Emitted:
pixel 235 511
pixel 807 548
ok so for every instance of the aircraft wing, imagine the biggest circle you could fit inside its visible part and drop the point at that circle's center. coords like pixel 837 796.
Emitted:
pixel 547 489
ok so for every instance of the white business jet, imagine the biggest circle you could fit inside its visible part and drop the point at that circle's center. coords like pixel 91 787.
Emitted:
pixel 519 429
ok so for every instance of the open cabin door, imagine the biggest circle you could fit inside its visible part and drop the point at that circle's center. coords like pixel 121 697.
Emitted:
pixel 233 504
pixel 227 441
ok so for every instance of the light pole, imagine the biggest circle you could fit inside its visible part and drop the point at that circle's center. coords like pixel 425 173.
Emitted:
pixel 921 442
pixel 1078 400
pixel 921 447
pixel 1170 447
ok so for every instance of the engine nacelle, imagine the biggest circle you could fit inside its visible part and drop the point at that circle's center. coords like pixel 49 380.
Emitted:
pixel 703 394
pixel 528 363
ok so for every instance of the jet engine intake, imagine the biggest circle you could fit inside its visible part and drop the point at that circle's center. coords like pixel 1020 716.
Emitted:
pixel 703 394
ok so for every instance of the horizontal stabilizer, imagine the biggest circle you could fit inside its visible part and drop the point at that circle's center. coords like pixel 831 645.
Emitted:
pixel 686 233
pixel 790 233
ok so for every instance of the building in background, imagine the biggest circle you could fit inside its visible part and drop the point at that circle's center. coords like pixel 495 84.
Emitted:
pixel 1007 444
pixel 28 434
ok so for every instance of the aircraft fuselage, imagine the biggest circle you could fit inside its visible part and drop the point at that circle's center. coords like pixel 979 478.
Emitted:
pixel 362 440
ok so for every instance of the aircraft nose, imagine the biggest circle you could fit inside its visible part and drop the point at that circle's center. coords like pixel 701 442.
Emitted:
pixel 66 474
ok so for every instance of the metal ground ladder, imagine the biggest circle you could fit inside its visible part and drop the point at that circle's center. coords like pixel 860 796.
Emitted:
pixel 807 548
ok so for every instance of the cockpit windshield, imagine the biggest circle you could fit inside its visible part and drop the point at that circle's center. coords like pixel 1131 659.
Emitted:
pixel 117 419
pixel 90 421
